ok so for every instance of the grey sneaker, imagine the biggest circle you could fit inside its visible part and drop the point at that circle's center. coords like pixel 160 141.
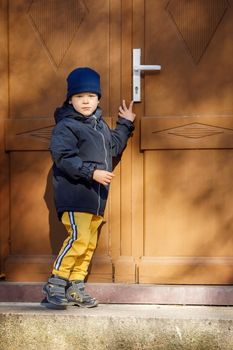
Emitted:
pixel 55 290
pixel 76 295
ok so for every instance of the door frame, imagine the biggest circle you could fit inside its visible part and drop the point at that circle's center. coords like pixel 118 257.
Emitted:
pixel 4 157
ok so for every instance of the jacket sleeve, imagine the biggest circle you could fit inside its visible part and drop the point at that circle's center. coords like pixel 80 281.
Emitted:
pixel 120 135
pixel 64 151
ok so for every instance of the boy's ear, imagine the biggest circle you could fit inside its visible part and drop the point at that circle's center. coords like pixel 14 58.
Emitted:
pixel 70 102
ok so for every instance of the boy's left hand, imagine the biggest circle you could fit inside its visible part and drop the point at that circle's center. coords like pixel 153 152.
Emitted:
pixel 127 113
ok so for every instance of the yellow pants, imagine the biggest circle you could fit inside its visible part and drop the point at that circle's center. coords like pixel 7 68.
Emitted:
pixel 75 255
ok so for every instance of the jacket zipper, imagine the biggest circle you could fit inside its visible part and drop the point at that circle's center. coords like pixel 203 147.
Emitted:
pixel 105 160
pixel 98 209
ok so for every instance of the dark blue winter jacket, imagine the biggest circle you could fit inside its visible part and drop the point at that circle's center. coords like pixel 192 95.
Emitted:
pixel 79 145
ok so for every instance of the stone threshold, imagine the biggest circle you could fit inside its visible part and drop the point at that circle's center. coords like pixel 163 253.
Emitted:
pixel 119 293
pixel 113 327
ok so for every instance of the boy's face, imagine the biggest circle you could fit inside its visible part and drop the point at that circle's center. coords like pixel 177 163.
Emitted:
pixel 85 103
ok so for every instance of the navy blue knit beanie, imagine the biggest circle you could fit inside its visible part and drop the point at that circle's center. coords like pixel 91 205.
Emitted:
pixel 83 79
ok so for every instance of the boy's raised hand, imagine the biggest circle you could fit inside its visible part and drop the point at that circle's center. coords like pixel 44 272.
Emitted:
pixel 127 113
pixel 102 176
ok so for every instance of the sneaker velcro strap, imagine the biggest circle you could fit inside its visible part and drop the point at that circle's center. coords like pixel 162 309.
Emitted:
pixel 57 281
pixel 77 290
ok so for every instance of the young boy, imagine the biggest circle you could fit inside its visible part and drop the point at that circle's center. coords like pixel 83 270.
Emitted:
pixel 82 148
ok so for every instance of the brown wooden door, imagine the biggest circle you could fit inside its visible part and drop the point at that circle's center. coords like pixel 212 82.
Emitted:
pixel 41 42
pixel 187 141
pixel 169 216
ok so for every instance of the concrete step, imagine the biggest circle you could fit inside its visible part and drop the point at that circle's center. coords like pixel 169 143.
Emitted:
pixel 29 326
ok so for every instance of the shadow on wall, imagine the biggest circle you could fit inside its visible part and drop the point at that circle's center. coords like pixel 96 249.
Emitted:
pixel 57 231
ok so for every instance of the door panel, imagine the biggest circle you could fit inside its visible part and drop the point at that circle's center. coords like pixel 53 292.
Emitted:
pixel 186 137
pixel 46 40
pixel 191 83
pixel 58 38
pixel 187 132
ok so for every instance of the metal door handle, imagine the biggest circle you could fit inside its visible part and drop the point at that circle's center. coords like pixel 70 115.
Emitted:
pixel 137 68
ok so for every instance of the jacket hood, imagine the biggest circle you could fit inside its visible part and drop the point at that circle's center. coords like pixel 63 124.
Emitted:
pixel 68 111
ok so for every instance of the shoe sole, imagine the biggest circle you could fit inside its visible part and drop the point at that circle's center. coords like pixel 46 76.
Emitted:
pixel 51 306
pixel 84 306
